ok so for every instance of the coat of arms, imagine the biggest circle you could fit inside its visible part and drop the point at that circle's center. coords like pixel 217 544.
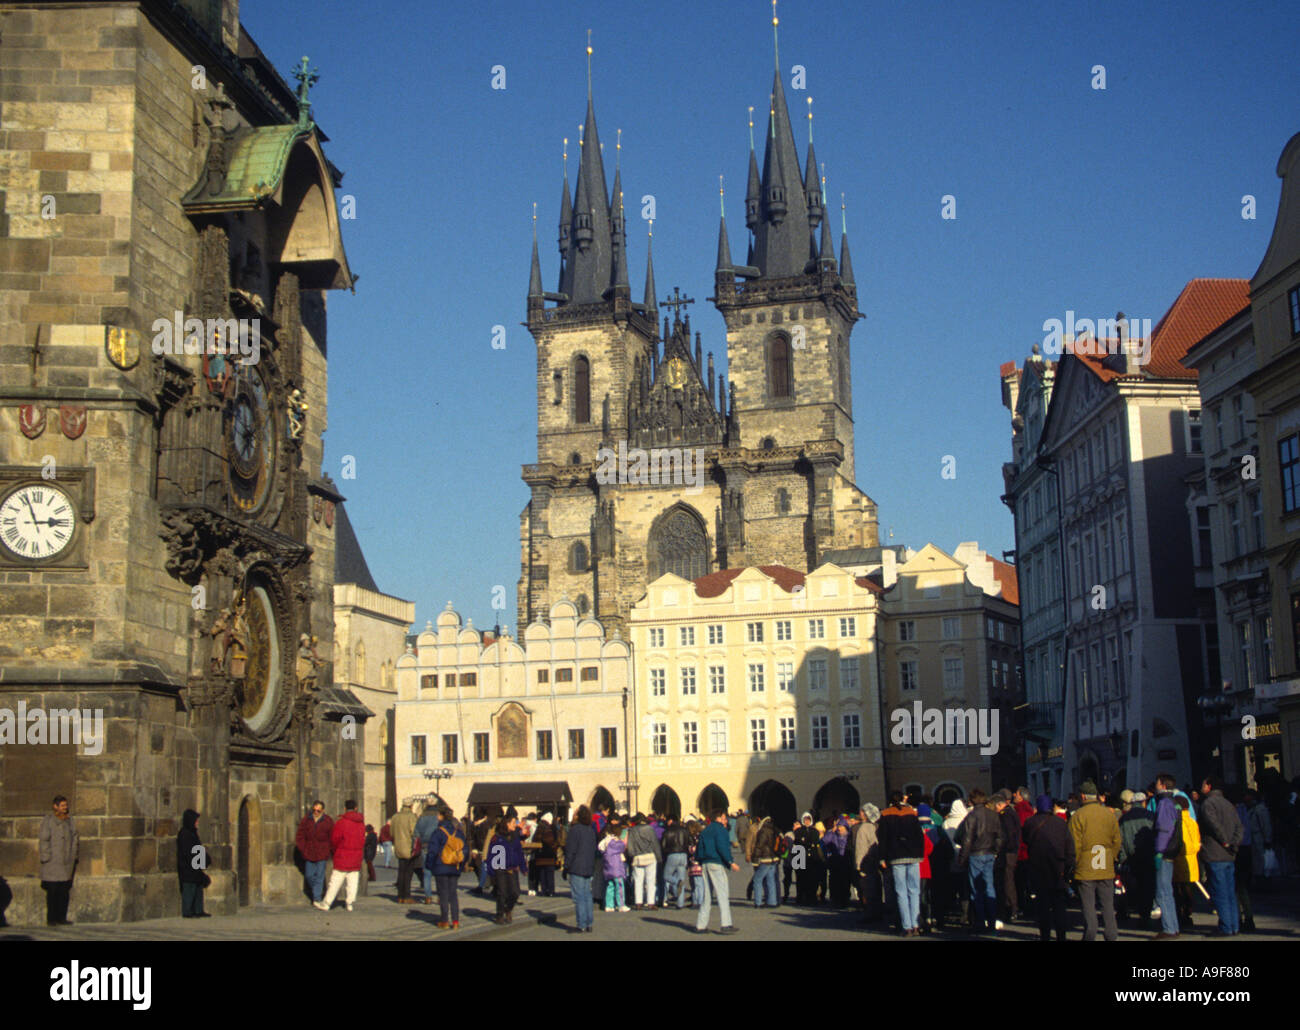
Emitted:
pixel 123 347
pixel 329 514
pixel 317 508
pixel 72 420
pixel 31 420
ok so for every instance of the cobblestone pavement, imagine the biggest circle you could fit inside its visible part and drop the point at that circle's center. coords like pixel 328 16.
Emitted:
pixel 378 917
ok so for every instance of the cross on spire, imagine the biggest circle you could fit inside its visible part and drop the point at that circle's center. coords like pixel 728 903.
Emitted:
pixel 676 302
pixel 306 79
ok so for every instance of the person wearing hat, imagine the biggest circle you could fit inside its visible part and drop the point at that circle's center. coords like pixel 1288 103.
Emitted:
pixel 1097 841
pixel 1051 857
pixel 866 859
pixel 1137 857
pixel 1004 871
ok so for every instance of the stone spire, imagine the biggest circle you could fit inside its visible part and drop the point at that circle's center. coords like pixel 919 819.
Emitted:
pixel 651 302
pixel 566 224
pixel 846 265
pixel 535 272
pixel 724 248
pixel 591 244
pixel 618 236
pixel 781 237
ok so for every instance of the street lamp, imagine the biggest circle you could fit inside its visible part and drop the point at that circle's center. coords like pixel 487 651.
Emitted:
pixel 438 775
pixel 627 786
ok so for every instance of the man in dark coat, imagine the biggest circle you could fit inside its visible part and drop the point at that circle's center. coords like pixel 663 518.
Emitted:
pixel 1004 870
pixel 1137 856
pixel 580 862
pixel 191 861
pixel 1051 856
pixel 313 842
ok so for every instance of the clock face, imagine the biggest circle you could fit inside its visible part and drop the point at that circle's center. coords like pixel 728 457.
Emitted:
pixel 37 521
pixel 250 440
pixel 262 673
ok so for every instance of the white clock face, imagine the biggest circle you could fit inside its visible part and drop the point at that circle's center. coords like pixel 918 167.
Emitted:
pixel 37 521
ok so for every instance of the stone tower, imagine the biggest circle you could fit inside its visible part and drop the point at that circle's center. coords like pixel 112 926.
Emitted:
pixel 647 463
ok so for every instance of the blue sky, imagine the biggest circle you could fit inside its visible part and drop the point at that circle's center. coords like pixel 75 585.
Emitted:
pixel 1067 197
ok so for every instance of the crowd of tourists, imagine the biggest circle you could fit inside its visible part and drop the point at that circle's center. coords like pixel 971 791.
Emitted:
pixel 1157 857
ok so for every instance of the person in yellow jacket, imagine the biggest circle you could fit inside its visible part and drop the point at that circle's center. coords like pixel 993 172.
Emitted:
pixel 1187 872
pixel 1094 829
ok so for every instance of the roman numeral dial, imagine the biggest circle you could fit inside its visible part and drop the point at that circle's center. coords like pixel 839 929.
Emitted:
pixel 37 522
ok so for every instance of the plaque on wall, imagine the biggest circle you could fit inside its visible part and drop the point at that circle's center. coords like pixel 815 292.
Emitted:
pixel 512 733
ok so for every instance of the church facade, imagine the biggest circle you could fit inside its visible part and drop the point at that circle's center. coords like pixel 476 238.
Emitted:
pixel 162 399
pixel 649 461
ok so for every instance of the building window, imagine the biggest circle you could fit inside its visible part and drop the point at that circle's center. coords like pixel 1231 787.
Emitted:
pixel 690 738
pixel 450 749
pixel 758 734
pixel 907 630
pixel 1112 435
pixel 755 674
pixel 788 740
pixel 1080 676
pixel 1256 518
pixel 715 633
pixel 783 630
pixel 785 677
pixel 418 750
pixel 994 683
pixel 1194 431
pixel 821 732
pixel 754 632
pixel 816 629
pixel 1239 416
pixel 1247 666
pixel 545 746
pixel 608 742
pixel 659 739
pixel 688 680
pixel 481 747
pixel 657 637
pixel 429 682
pixel 848 626
pixel 658 684
pixel 849 673
pixel 779 377
pixel 686 636
pixel 581 390
pixel 1288 451
pixel 717 679
pixel 1203 537
pixel 953 676
pixel 951 627
pixel 678 544
pixel 577 744
pixel 543 675
pixel 563 675
pixel 578 558
pixel 590 674
pixel 817 674
pixel 907 675
pixel 718 736
pixel 469 679
pixel 1112 659
pixel 1121 543
pixel 1234 529
pixel 1076 569
pixel 449 680
pixel 1264 624
pixel 991 625
pixel 1293 303
pixel 852 730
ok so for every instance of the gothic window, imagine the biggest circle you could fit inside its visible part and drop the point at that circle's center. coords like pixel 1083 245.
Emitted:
pixel 575 458
pixel 581 390
pixel 558 381
pixel 780 383
pixel 578 559
pixel 769 443
pixel 783 501
pixel 678 544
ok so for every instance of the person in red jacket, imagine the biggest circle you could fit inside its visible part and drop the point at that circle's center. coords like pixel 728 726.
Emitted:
pixel 1024 809
pixel 313 843
pixel 348 842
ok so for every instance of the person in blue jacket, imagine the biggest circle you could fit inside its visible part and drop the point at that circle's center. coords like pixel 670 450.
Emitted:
pixel 445 876
pixel 714 854
pixel 580 864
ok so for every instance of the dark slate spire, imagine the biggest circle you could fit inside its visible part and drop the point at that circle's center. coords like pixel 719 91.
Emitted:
pixel 781 237
pixel 812 188
pixel 591 243
pixel 724 248
pixel 846 265
pixel 826 256
pixel 618 236
pixel 535 272
pixel 753 192
pixel 566 225
pixel 651 297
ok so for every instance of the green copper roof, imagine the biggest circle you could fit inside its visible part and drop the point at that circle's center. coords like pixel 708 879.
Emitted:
pixel 257 164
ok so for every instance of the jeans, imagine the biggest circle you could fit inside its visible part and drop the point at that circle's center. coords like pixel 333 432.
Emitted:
pixel 426 876
pixel 643 884
pixel 715 882
pixel 1223 892
pixel 1165 897
pixel 1089 892
pixel 316 879
pixel 580 890
pixel 447 897
pixel 337 880
pixel 983 890
pixel 675 877
pixel 907 888
pixel 765 885
pixel 697 890
pixel 388 853
pixel 191 899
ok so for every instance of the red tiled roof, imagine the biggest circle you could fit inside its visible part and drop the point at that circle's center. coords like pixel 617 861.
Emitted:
pixel 869 582
pixel 1007 368
pixel 715 583
pixel 1005 574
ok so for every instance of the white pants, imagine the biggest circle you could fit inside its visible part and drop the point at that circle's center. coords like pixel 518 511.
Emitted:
pixel 644 883
pixel 337 880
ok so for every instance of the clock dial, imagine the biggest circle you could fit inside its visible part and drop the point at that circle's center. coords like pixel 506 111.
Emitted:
pixel 37 522
pixel 250 440
pixel 261 687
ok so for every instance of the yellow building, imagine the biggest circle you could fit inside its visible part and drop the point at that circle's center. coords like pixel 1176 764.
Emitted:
pixel 538 723
pixel 757 687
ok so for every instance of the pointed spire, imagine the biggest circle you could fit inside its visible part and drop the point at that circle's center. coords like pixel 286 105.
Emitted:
pixel 724 248
pixel 812 189
pixel 826 256
pixel 566 223
pixel 535 272
pixel 846 265
pixel 776 46
pixel 618 237
pixel 651 298
pixel 591 245
pixel 781 237
pixel 753 192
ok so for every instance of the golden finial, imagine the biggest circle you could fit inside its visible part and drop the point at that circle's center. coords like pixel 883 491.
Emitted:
pixel 751 127
pixel 589 64
pixel 844 228
pixel 618 149
pixel 581 134
pixel 810 119
pixel 566 155
pixel 721 198
pixel 776 46
pixel 651 231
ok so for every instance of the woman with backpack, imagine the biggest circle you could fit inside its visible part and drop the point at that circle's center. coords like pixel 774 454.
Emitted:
pixel 444 858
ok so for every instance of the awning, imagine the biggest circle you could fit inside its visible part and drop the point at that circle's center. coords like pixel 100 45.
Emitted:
pixel 537 792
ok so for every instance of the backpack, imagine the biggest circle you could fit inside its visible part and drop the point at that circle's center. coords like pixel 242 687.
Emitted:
pixel 453 851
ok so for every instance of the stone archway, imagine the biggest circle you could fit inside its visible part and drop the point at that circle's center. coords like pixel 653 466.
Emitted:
pixel 775 799
pixel 833 799
pixel 711 797
pixel 248 851
pixel 665 801
pixel 601 799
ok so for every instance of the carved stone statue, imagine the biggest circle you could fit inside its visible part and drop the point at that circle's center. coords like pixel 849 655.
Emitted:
pixel 297 412
pixel 308 662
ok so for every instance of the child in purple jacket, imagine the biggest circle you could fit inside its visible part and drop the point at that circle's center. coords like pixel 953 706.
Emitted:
pixel 614 865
